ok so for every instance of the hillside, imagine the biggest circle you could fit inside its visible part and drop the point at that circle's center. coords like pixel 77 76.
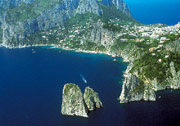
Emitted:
pixel 23 23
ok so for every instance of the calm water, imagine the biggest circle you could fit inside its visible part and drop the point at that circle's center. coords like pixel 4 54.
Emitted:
pixel 155 11
pixel 31 90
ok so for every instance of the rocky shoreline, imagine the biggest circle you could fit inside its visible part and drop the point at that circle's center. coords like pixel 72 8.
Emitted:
pixel 129 83
pixel 132 88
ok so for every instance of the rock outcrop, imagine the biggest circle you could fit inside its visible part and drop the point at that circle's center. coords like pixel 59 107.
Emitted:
pixel 174 80
pixel 121 5
pixel 90 6
pixel 91 99
pixel 72 102
pixel 100 35
pixel 134 90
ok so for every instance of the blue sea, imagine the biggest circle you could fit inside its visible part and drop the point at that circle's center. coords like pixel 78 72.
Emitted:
pixel 31 90
pixel 155 11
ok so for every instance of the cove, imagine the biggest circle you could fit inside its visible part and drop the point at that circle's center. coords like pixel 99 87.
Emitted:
pixel 31 90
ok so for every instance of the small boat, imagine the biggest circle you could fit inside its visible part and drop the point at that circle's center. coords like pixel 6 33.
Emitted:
pixel 83 78
pixel 114 60
pixel 33 51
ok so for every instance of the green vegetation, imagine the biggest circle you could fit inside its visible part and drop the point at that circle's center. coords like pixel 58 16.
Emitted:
pixel 127 36
pixel 29 11
pixel 87 45
pixel 171 37
pixel 82 20
pixel 83 23
pixel 112 12
pixel 138 89
pixel 112 27
pixel 69 86
pixel 131 46
pixel 151 66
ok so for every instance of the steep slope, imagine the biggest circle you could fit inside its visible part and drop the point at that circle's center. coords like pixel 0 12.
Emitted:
pixel 21 19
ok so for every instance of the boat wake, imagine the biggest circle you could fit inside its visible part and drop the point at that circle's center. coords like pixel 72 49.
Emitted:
pixel 83 78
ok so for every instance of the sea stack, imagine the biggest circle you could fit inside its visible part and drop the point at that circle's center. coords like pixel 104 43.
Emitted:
pixel 91 99
pixel 72 102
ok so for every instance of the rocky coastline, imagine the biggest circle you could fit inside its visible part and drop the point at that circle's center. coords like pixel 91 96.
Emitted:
pixel 83 28
pixel 132 88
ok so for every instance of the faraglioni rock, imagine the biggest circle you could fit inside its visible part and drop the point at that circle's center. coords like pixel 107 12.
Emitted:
pixel 91 99
pixel 72 102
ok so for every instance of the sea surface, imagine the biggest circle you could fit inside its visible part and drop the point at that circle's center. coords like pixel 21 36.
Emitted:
pixel 155 11
pixel 31 90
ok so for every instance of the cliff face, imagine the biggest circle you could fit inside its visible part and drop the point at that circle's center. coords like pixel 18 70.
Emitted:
pixel 134 90
pixel 90 6
pixel 121 5
pixel 12 3
pixel 100 35
pixel 22 18
pixel 91 99
pixel 74 104
pixel 41 17
pixel 174 81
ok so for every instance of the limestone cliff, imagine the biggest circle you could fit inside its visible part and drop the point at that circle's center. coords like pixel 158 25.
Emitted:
pixel 90 6
pixel 20 19
pixel 100 35
pixel 174 80
pixel 171 82
pixel 121 5
pixel 72 102
pixel 135 90
pixel 75 104
pixel 92 99
pixel 41 17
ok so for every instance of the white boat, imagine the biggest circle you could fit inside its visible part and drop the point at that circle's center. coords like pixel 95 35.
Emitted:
pixel 114 60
